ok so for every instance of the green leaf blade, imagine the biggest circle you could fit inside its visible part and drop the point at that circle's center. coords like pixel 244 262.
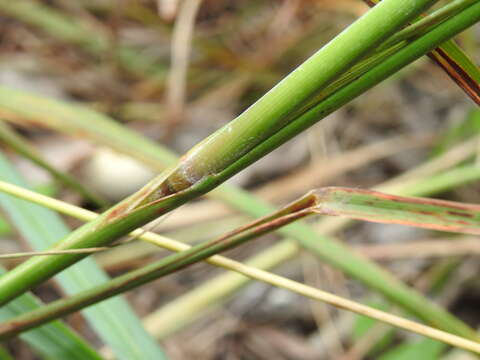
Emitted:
pixel 426 350
pixel 375 206
pixel 54 340
pixel 114 320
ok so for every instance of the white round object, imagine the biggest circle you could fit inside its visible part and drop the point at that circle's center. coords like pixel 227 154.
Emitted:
pixel 115 175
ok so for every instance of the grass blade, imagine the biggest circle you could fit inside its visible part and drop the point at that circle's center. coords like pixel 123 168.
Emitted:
pixel 460 68
pixel 466 129
pixel 375 206
pixel 455 62
pixel 427 21
pixel 54 340
pixel 4 355
pixel 21 146
pixel 426 350
pixel 76 120
pixel 42 228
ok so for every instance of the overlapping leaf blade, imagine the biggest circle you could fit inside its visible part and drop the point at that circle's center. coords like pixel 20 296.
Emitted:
pixel 375 206
pixel 456 63
pixel 113 320
pixel 54 340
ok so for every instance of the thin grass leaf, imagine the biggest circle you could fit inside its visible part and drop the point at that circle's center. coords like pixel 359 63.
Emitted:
pixel 439 275
pixel 5 227
pixel 379 207
pixel 4 355
pixel 454 61
pixel 344 263
pixel 80 121
pixel 20 145
pixel 389 47
pixel 426 350
pixel 468 127
pixel 47 253
pixel 460 67
pixel 114 321
pixel 363 325
pixel 54 340
pixel 424 23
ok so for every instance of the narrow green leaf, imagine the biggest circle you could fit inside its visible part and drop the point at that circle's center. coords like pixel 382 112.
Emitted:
pixel 212 161
pixel 5 227
pixel 460 68
pixel 375 206
pixel 76 120
pixel 114 320
pixel 468 127
pixel 426 350
pixel 439 276
pixel 54 340
pixel 20 145
pixel 463 60
pixel 4 355
pixel 454 61
pixel 363 324
pixel 424 23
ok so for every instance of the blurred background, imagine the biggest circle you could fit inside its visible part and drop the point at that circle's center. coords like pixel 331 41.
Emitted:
pixel 175 71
